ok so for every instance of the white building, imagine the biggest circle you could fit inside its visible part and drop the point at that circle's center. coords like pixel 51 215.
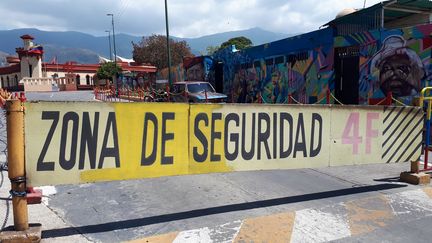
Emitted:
pixel 29 70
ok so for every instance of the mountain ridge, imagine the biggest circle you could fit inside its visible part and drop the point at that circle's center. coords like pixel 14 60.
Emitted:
pixel 85 48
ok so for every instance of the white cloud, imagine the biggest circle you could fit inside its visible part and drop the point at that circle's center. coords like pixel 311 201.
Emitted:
pixel 187 18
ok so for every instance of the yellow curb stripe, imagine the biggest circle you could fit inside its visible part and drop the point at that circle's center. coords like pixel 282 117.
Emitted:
pixel 428 191
pixel 273 228
pixel 367 214
pixel 164 238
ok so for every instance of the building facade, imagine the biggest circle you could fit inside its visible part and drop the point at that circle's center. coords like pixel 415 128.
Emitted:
pixel 28 71
pixel 361 55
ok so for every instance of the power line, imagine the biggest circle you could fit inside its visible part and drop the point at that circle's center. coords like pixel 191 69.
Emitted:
pixel 125 5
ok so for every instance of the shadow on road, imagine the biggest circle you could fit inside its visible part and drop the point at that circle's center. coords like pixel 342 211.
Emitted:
pixel 132 223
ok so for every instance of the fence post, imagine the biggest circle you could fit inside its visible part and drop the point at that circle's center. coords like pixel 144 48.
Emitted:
pixel 389 98
pixel 186 96
pixel 16 169
pixel 205 93
pixel 328 96
pixel 168 93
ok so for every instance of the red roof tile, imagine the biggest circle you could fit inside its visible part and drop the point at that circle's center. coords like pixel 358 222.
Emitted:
pixel 27 37
pixel 15 68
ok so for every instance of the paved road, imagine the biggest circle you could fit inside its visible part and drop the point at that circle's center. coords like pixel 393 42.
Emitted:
pixel 342 204
pixel 61 96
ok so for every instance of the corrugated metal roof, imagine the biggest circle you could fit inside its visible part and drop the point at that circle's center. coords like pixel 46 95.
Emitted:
pixel 405 8
pixel 393 10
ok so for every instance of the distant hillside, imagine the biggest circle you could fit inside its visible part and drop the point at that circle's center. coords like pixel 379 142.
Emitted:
pixel 70 39
pixel 84 48
pixel 256 35
pixel 64 54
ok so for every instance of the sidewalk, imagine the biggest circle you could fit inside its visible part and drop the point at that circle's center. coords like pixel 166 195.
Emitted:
pixel 302 212
pixel 304 205
pixel 38 213
pixel 354 218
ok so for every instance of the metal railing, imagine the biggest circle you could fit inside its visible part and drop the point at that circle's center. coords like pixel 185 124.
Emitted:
pixel 426 104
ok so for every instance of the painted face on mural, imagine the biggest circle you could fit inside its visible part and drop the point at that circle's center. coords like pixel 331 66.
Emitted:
pixel 396 76
pixel 400 68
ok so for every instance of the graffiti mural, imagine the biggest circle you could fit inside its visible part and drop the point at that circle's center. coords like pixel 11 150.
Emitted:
pixel 233 83
pixel 301 69
pixel 198 68
pixel 177 73
pixel 400 68
pixel 280 72
pixel 396 61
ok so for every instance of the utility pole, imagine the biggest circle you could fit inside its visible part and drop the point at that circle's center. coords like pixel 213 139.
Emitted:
pixel 115 56
pixel 109 41
pixel 168 44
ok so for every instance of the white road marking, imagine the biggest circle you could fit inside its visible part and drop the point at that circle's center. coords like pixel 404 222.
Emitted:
pixel 410 201
pixel 201 235
pixel 311 225
pixel 46 192
pixel 223 233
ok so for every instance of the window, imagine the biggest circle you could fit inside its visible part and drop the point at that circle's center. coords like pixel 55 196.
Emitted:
pixel 257 64
pixel 30 70
pixel 279 60
pixel 269 61
pixel 301 56
pixel 88 79
pixel 178 88
pixel 350 51
pixel 199 87
pixel 291 58
pixel 78 79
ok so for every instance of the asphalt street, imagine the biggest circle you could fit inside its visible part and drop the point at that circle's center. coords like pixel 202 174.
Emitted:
pixel 340 204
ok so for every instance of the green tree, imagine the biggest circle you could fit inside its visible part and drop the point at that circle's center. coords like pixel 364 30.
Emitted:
pixel 153 49
pixel 212 49
pixel 239 42
pixel 108 70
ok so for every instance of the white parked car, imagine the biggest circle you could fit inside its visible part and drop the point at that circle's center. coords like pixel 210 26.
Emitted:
pixel 196 92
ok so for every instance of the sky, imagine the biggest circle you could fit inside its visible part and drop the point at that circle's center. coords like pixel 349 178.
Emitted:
pixel 187 18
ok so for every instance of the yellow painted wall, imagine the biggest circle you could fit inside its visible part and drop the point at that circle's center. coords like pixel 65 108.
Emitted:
pixel 145 140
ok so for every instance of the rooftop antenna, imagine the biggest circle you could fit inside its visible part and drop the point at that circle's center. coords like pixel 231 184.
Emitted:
pixel 364 4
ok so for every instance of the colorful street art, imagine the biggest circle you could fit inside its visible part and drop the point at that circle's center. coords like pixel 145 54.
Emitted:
pixel 301 69
pixel 177 73
pixel 290 74
pixel 396 61
pixel 192 69
pixel 198 68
